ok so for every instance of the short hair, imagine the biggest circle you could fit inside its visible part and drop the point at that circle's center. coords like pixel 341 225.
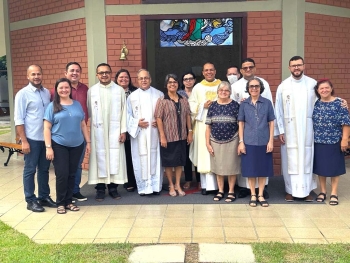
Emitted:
pixel 72 63
pixel 170 76
pixel 140 70
pixel 262 87
pixel 104 65
pixel 127 72
pixel 223 84
pixel 35 65
pixel 206 63
pixel 296 58
pixel 321 81
pixel 248 60
pixel 57 107
pixel 236 67
pixel 182 78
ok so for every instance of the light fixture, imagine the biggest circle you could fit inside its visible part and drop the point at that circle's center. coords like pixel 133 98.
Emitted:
pixel 124 52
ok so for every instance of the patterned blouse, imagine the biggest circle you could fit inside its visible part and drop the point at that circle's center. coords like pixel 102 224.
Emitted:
pixel 223 121
pixel 174 116
pixel 328 119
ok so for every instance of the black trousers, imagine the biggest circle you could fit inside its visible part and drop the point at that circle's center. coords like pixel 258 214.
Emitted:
pixel 188 167
pixel 66 162
pixel 129 166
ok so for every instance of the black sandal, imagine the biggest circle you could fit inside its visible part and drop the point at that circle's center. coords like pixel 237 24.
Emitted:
pixel 218 196
pixel 263 203
pixel 321 197
pixel 333 202
pixel 230 199
pixel 252 203
pixel 61 210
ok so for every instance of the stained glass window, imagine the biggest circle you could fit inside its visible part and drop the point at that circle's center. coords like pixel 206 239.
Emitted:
pixel 196 32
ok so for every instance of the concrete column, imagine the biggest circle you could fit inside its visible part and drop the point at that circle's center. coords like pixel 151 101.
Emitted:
pixel 96 40
pixel 293 36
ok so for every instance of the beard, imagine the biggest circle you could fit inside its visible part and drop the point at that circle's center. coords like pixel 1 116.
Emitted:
pixel 298 74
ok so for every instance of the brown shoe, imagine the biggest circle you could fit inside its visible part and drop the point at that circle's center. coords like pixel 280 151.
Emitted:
pixel 309 199
pixel 289 198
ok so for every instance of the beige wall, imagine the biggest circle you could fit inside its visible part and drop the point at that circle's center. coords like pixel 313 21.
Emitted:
pixel 2 30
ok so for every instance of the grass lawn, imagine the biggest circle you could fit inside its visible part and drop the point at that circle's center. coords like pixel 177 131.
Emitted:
pixel 16 247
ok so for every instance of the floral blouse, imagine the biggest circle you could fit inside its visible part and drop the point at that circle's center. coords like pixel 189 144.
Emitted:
pixel 328 119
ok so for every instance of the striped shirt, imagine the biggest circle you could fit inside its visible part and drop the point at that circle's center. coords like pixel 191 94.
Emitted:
pixel 174 124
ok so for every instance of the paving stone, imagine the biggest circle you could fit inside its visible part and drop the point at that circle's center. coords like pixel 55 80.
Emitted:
pixel 225 253
pixel 158 253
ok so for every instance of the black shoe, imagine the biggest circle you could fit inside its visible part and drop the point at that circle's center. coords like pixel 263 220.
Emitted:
pixel 130 189
pixel 100 195
pixel 35 206
pixel 204 192
pixel 78 196
pixel 114 193
pixel 266 194
pixel 156 193
pixel 243 192
pixel 47 202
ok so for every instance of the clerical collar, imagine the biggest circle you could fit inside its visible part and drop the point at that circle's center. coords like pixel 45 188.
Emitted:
pixel 106 86
pixel 215 82
pixel 298 80
pixel 145 89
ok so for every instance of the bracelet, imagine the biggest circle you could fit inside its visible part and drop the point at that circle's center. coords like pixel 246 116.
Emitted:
pixel 190 130
pixel 240 141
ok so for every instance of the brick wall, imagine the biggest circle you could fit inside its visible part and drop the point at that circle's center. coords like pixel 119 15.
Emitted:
pixel 339 3
pixel 128 29
pixel 21 10
pixel 51 47
pixel 327 52
pixel 264 37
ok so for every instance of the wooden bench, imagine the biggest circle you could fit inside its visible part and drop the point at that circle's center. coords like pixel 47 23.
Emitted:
pixel 13 148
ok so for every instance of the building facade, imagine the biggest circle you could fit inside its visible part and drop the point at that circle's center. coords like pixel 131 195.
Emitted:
pixel 51 33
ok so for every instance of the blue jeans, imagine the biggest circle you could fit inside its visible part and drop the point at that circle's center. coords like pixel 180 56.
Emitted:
pixel 36 160
pixel 78 173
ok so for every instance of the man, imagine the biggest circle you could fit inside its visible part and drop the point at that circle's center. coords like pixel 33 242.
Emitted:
pixel 107 112
pixel 239 93
pixel 233 74
pixel 30 105
pixel 203 94
pixel 79 93
pixel 144 137
pixel 295 100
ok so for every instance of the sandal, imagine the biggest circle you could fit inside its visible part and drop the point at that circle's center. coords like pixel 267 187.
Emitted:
pixel 263 203
pixel 61 210
pixel 252 203
pixel 187 185
pixel 333 202
pixel 218 196
pixel 72 208
pixel 181 193
pixel 173 192
pixel 321 197
pixel 231 197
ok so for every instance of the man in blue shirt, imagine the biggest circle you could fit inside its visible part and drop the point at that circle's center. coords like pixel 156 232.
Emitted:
pixel 30 105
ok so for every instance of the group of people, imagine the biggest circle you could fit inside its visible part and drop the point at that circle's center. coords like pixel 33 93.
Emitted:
pixel 214 129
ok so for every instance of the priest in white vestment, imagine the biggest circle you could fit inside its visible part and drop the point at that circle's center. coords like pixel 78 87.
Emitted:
pixel 144 137
pixel 295 99
pixel 203 94
pixel 107 111
pixel 239 93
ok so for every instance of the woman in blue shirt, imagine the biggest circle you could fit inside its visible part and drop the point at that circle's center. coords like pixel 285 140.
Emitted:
pixel 331 132
pixel 256 118
pixel 64 133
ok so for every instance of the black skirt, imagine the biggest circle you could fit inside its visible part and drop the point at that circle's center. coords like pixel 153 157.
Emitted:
pixel 329 160
pixel 174 155
pixel 256 163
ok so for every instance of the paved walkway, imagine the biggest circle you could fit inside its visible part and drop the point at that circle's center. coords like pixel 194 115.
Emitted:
pixel 175 224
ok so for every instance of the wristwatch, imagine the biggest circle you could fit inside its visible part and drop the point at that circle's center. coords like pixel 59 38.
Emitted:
pixel 48 146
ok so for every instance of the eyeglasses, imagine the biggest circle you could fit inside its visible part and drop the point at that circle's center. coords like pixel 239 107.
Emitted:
pixel 296 66
pixel 188 79
pixel 172 82
pixel 254 86
pixel 104 73
pixel 224 90
pixel 143 78
pixel 250 68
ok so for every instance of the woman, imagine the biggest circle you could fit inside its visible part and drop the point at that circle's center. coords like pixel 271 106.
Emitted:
pixel 174 125
pixel 222 140
pixel 331 132
pixel 256 118
pixel 123 79
pixel 188 81
pixel 64 133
